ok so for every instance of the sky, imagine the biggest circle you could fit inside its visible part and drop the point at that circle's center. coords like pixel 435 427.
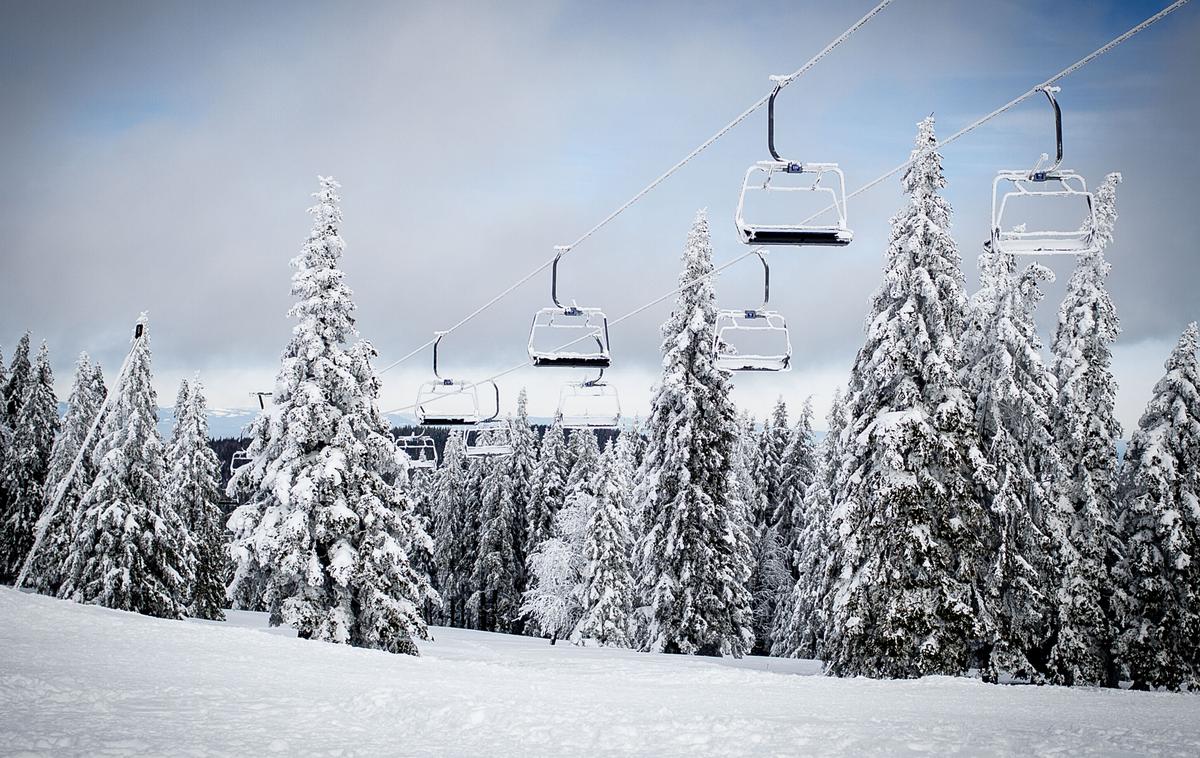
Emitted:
pixel 160 157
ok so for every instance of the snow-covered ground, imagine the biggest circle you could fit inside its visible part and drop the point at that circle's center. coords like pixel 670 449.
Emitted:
pixel 78 680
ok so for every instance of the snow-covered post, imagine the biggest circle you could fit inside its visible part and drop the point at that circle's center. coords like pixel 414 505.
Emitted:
pixel 131 550
pixel 83 409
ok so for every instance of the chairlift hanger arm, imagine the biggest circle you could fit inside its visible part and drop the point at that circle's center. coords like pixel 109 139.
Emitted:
pixel 1041 175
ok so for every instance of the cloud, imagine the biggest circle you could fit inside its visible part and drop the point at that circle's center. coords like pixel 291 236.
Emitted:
pixel 160 157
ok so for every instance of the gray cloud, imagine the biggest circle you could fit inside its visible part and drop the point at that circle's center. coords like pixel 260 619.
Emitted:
pixel 160 157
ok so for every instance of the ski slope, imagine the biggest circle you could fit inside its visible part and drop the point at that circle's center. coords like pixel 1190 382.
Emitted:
pixel 79 680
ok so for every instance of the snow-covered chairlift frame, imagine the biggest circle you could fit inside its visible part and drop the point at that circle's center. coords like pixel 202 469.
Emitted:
pixel 433 406
pixel 584 332
pixel 730 323
pixel 1043 183
pixel 592 404
pixel 420 449
pixel 478 448
pixel 758 178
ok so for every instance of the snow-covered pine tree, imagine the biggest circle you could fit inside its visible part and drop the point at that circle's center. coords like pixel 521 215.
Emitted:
pixel 1014 393
pixel 548 487
pixel 522 463
pixel 799 469
pixel 1159 576
pixel 607 592
pixel 775 436
pixel 1086 431
pixel 19 372
pixel 192 489
pixel 11 393
pixel 131 550
pixel 802 619
pixel 84 404
pixel 495 596
pixel 34 426
pixel 695 547
pixel 912 521
pixel 768 559
pixel 454 533
pixel 4 428
pixel 326 532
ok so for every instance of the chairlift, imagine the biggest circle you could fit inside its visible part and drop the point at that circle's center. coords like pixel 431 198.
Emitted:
pixel 480 444
pixel 1038 188
pixel 568 336
pixel 262 406
pixel 783 175
pixel 592 404
pixel 452 402
pixel 240 458
pixel 754 339
pixel 420 449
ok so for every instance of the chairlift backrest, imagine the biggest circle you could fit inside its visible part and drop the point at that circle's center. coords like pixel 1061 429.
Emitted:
pixel 1057 214
pixel 753 339
pixel 799 223
pixel 420 449
pixel 481 444
pixel 589 405
pixel 566 335
pixel 570 337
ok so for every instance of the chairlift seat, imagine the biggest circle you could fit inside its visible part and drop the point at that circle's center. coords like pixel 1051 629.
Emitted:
pixel 570 337
pixel 795 235
pixel 828 233
pixel 590 405
pixel 752 340
pixel 451 402
pixel 1035 187
pixel 420 449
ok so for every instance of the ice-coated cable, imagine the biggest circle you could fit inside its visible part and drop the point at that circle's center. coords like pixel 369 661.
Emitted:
pixel 782 81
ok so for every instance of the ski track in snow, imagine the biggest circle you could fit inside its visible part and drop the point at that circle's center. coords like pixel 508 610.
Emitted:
pixel 81 680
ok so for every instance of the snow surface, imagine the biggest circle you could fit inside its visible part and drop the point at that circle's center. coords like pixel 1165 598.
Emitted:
pixel 81 680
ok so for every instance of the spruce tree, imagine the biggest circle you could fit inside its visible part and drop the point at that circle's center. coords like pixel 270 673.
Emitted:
pixel 453 532
pixel 1086 431
pixel 799 471
pixel 548 487
pixel 696 542
pixel 905 603
pixel 192 489
pixel 1014 393
pixel 496 596
pixel 1159 577
pixel 131 549
pixel 768 558
pixel 83 406
pixel 12 392
pixel 19 372
pixel 326 533
pixel 607 592
pixel 34 426
pixel 802 620
pixel 553 603
pixel 522 465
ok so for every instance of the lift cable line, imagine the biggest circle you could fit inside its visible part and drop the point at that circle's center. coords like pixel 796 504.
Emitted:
pixel 879 180
pixel 51 509
pixel 560 250
pixel 1151 21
